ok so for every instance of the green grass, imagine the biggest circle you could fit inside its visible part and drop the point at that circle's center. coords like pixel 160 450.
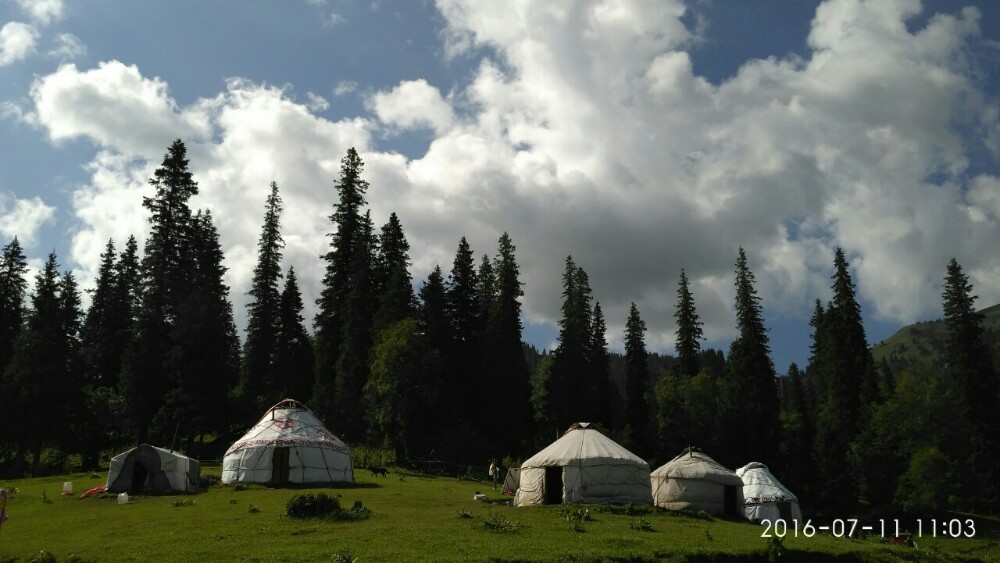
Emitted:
pixel 924 341
pixel 418 518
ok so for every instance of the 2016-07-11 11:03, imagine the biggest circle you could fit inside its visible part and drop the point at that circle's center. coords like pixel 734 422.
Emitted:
pixel 848 527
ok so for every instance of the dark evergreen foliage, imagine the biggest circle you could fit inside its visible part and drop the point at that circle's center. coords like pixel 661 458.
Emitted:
pixel 689 331
pixel 165 278
pixel 637 413
pixel 569 383
pixel 845 375
pixel 260 380
pixel 509 416
pixel 392 277
pixel 463 387
pixel 969 365
pixel 294 358
pixel 353 364
pixel 347 242
pixel 13 289
pixel 598 386
pixel 751 407
pixel 44 373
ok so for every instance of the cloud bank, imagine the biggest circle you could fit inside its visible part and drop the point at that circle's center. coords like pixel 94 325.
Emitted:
pixel 586 130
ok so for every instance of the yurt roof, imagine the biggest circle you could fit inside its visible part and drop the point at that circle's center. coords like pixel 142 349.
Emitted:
pixel 693 464
pixel 582 445
pixel 289 423
pixel 161 451
pixel 759 479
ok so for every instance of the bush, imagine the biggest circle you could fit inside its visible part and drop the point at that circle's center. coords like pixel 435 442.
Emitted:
pixel 642 525
pixel 928 483
pixel 495 523
pixel 322 505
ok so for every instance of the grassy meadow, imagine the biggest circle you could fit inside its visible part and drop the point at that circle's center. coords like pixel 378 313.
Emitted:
pixel 415 518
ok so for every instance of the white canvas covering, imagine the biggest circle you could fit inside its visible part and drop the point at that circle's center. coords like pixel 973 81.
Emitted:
pixel 152 470
pixel 592 468
pixel 763 497
pixel 288 445
pixel 694 481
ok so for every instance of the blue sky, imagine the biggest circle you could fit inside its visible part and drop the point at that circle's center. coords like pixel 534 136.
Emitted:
pixel 641 137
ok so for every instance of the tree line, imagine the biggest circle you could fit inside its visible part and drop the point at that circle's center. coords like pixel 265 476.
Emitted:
pixel 441 372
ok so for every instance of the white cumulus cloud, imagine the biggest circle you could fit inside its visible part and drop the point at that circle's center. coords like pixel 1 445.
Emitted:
pixel 23 217
pixel 411 104
pixel 68 47
pixel 17 41
pixel 115 106
pixel 43 11
pixel 586 130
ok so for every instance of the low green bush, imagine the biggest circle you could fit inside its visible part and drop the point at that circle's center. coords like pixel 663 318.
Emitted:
pixel 323 506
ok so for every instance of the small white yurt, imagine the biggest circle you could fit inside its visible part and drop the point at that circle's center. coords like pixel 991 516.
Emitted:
pixel 147 469
pixel 583 466
pixel 288 445
pixel 695 481
pixel 763 497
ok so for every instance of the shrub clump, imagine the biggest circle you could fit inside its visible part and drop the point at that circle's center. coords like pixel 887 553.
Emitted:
pixel 496 523
pixel 323 506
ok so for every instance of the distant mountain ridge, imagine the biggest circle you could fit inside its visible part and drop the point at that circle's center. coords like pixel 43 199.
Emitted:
pixel 924 341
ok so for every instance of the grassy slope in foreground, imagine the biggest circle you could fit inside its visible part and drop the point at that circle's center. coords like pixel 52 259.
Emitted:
pixel 414 519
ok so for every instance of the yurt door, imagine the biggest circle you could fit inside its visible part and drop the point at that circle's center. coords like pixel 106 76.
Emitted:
pixel 553 485
pixel 279 466
pixel 785 511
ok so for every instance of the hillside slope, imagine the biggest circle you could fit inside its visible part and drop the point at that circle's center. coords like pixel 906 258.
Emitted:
pixel 924 341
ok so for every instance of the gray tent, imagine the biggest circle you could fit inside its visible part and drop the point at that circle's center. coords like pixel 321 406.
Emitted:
pixel 147 469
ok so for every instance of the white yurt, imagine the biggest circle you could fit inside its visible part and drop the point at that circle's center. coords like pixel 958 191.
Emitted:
pixel 583 466
pixel 763 497
pixel 288 445
pixel 147 469
pixel 695 481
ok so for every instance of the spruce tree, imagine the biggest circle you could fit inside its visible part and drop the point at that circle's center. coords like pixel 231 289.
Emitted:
pixel 260 377
pixel 100 364
pixel 392 280
pixel 39 371
pixel 969 365
pixel 598 364
pixel 637 414
pixel 508 368
pixel 569 385
pixel 294 359
pixel 752 398
pixel 689 331
pixel 13 288
pixel 204 362
pixel 434 323
pixel 353 364
pixel 347 242
pixel 846 382
pixel 466 330
pixel 165 279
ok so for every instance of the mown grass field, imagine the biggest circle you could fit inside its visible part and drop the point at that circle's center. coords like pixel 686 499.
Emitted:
pixel 416 518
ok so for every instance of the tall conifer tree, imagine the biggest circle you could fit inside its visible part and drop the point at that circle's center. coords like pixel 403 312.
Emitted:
pixel 341 278
pixel 969 364
pixel 845 377
pixel 463 310
pixel 689 331
pixel 260 376
pixel 752 404
pixel 599 363
pixel 505 354
pixel 637 415
pixel 294 359
pixel 13 288
pixel 165 278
